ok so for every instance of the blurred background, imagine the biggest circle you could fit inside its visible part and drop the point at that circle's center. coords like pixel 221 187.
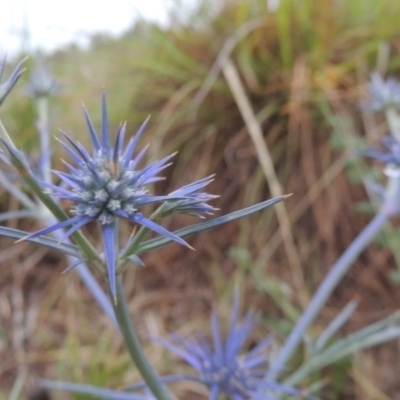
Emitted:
pixel 301 66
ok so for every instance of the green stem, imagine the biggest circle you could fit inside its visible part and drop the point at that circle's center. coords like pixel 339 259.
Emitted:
pixel 135 349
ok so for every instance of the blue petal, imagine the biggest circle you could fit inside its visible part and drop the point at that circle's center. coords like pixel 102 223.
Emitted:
pixel 76 183
pixel 214 393
pixel 127 156
pixel 104 123
pixel 119 142
pixel 193 361
pixel 192 187
pixel 239 335
pixel 78 147
pixel 142 200
pixel 75 227
pixel 63 193
pixel 73 170
pixel 231 339
pixel 156 167
pixel 143 176
pixel 71 153
pixel 255 356
pixel 92 131
pixel 216 336
pixel 132 164
pixel 109 233
pixel 53 228
pixel 140 219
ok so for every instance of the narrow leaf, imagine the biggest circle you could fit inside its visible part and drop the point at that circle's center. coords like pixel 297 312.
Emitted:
pixel 45 241
pixel 99 393
pixel 162 241
pixel 335 325
pixel 6 216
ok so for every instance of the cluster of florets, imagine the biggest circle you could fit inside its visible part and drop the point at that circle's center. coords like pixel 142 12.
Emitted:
pixel 223 367
pixel 108 184
pixel 106 192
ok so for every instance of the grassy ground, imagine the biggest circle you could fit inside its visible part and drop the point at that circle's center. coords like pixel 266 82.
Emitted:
pixel 303 70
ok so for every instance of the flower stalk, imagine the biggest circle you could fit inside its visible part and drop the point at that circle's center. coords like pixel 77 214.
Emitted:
pixel 134 347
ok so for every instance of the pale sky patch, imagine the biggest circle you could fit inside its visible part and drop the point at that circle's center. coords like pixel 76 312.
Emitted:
pixel 48 25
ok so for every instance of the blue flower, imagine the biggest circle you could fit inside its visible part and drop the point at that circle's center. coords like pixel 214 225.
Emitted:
pixel 222 367
pixel 383 93
pixel 391 156
pixel 6 87
pixel 107 185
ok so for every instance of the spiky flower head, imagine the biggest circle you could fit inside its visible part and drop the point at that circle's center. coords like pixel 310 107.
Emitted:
pixel 222 367
pixel 5 87
pixel 108 184
pixel 383 94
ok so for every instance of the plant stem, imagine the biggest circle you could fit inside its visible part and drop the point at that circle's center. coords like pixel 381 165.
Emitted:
pixel 330 282
pixel 135 349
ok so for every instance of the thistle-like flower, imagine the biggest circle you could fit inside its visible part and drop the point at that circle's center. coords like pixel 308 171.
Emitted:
pixel 6 87
pixel 221 367
pixel 383 93
pixel 107 185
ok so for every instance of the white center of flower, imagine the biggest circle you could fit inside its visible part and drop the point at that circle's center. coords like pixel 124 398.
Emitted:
pixel 106 218
pixel 86 195
pixel 129 208
pixel 91 211
pixel 101 195
pixel 114 205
